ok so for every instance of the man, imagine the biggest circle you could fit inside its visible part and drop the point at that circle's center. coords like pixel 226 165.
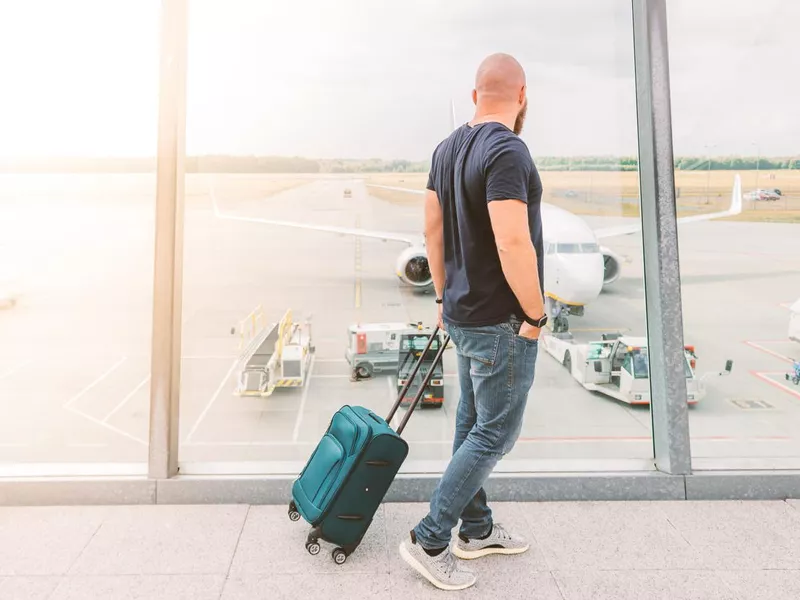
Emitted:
pixel 484 244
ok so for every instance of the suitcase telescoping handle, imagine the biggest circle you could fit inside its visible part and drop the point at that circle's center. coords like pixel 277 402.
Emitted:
pixel 425 380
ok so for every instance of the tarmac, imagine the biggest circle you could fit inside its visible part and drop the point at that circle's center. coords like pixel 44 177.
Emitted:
pixel 75 352
pixel 578 551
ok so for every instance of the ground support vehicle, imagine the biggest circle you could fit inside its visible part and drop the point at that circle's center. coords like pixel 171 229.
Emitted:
pixel 794 376
pixel 413 342
pixel 618 366
pixel 274 356
pixel 373 348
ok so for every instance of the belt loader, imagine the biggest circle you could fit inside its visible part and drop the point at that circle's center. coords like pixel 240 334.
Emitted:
pixel 276 356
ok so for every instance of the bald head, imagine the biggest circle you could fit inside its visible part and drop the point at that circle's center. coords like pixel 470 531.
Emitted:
pixel 500 91
pixel 500 78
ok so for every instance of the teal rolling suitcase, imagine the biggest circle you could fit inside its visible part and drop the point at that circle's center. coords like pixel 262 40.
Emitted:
pixel 351 469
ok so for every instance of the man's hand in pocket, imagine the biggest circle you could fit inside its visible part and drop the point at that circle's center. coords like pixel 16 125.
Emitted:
pixel 529 331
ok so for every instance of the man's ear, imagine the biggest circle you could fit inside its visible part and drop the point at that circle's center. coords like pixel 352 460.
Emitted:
pixel 522 94
pixel 475 97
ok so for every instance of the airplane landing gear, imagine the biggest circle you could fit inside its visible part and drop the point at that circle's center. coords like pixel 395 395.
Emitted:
pixel 561 323
pixel 559 316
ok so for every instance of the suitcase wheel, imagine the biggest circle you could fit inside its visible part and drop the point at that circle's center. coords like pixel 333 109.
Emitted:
pixel 293 514
pixel 313 548
pixel 339 556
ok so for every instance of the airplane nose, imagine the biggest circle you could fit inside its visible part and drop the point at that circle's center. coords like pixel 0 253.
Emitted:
pixel 582 276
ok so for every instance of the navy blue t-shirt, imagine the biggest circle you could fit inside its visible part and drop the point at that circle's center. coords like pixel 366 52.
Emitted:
pixel 472 167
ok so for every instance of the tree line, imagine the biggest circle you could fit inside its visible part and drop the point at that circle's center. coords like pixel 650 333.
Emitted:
pixel 682 163
pixel 296 164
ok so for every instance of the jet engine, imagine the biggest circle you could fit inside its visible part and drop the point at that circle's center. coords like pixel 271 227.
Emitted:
pixel 611 265
pixel 412 267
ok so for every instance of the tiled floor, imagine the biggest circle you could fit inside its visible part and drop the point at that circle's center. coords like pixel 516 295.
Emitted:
pixel 579 551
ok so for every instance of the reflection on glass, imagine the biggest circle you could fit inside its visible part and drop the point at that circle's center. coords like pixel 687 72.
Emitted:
pixel 78 120
pixel 739 273
pixel 309 198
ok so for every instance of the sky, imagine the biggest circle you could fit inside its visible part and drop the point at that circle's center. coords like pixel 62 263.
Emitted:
pixel 372 78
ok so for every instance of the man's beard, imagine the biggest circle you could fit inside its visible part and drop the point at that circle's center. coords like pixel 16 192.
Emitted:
pixel 521 118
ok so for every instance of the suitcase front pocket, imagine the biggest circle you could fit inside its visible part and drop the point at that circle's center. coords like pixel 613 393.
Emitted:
pixel 323 469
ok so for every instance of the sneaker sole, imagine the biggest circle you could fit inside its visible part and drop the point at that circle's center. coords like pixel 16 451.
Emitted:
pixel 472 554
pixel 417 566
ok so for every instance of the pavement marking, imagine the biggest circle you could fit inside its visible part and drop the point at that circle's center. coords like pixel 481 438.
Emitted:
pixel 86 445
pixel 768 351
pixel 211 402
pixel 331 376
pixel 13 370
pixel 303 398
pixel 126 398
pixel 245 444
pixel 94 383
pixel 525 440
pixel 763 376
pixel 116 430
pixel 600 329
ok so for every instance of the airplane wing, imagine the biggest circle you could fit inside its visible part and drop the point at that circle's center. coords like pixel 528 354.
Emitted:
pixel 390 236
pixel 734 209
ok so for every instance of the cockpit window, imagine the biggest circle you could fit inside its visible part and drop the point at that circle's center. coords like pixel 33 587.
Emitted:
pixel 587 248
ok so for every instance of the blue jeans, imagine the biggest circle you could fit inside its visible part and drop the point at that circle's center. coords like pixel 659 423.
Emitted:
pixel 496 367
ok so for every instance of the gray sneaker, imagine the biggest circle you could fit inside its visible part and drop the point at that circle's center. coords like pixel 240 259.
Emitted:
pixel 444 570
pixel 499 541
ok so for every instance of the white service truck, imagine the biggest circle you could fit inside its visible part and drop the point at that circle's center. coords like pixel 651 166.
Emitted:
pixel 618 366
pixel 374 348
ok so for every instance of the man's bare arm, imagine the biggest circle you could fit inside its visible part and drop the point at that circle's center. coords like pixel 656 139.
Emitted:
pixel 517 254
pixel 434 240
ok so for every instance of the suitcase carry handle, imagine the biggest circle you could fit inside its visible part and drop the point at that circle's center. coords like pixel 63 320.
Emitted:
pixel 425 380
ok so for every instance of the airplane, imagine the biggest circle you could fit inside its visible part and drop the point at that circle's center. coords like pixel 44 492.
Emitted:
pixel 576 267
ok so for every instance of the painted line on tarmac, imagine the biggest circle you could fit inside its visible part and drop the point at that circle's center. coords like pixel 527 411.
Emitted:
pixel 762 375
pixel 211 402
pixel 80 394
pixel 245 444
pixel 13 370
pixel 86 445
pixel 303 398
pixel 125 399
pixel 116 430
pixel 534 440
pixel 767 350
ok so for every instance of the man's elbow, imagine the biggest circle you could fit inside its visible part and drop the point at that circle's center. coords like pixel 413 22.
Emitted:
pixel 512 244
pixel 434 232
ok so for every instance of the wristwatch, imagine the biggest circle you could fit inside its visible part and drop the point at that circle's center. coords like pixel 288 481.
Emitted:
pixel 540 322
pixel 438 301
